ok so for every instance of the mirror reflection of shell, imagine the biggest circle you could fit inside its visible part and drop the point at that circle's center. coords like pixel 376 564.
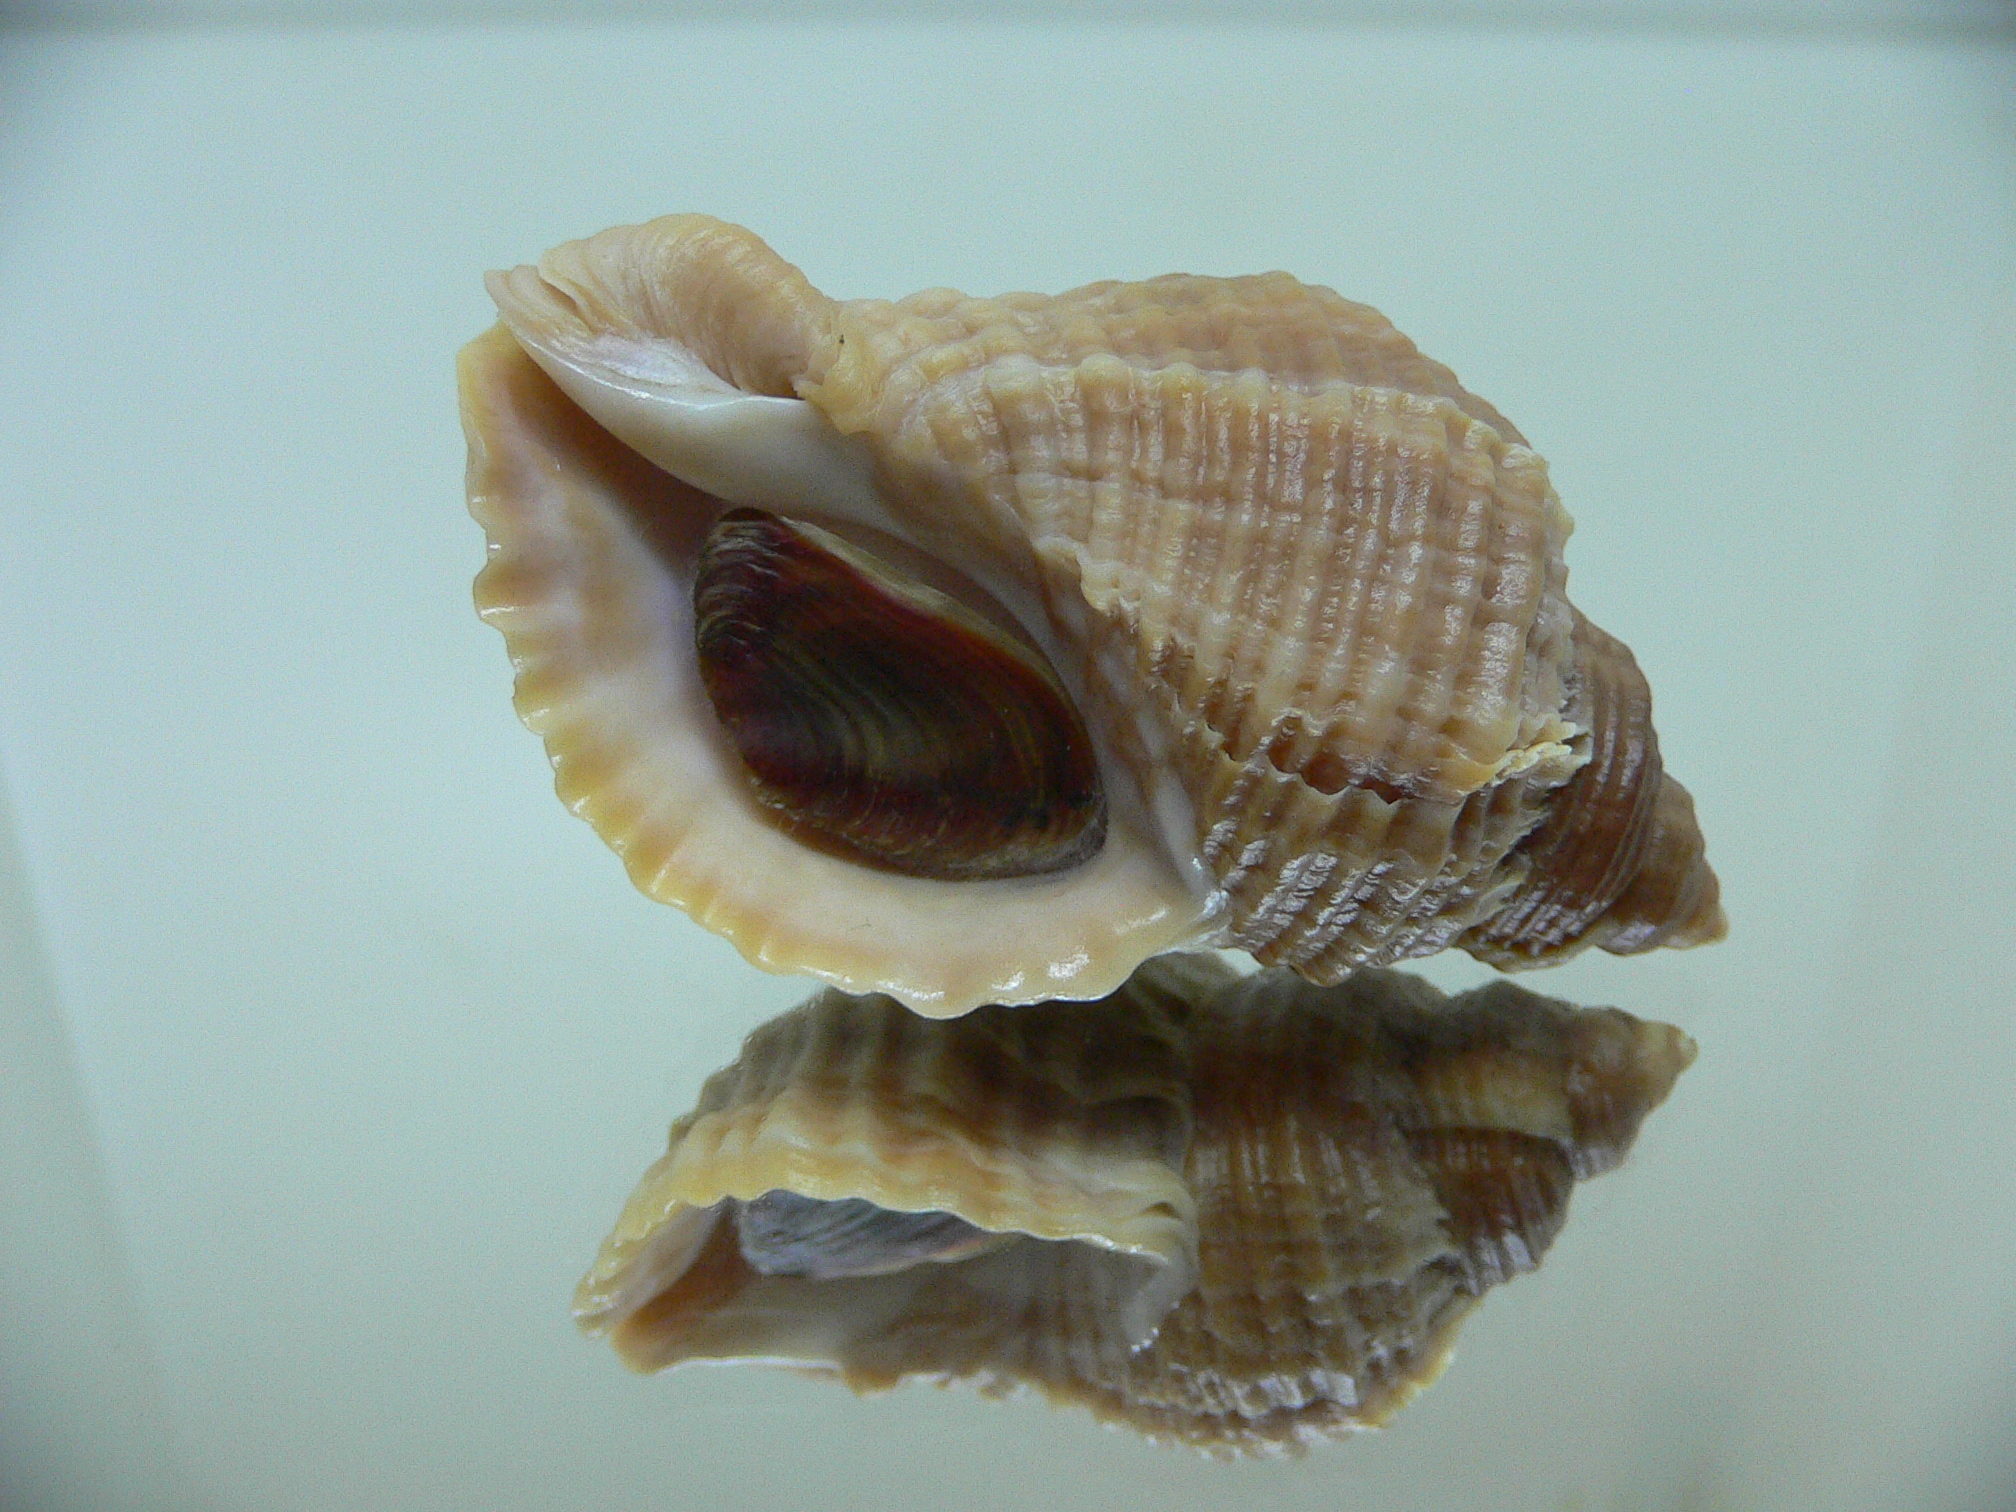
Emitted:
pixel 1241 1213
pixel 1193 611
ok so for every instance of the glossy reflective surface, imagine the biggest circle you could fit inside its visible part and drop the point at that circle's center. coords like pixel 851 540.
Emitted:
pixel 364 1032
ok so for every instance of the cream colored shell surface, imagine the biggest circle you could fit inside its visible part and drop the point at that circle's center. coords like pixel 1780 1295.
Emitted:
pixel 1255 1210
pixel 1307 593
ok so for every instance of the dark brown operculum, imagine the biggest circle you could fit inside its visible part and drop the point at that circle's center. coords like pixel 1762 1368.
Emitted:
pixel 1618 860
pixel 885 721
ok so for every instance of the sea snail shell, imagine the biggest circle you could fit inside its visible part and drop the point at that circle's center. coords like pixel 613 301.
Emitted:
pixel 1265 612
pixel 1239 1213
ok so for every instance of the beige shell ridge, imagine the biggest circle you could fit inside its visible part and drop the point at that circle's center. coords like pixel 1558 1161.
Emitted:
pixel 1301 594
pixel 1240 1213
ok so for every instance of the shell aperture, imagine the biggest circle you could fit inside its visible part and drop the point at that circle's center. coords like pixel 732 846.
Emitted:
pixel 882 717
pixel 1240 1213
pixel 784 1234
pixel 1304 594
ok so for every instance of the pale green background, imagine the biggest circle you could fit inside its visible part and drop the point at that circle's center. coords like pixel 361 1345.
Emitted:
pixel 331 1043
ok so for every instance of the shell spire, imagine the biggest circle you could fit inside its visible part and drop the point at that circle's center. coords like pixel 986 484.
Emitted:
pixel 1301 598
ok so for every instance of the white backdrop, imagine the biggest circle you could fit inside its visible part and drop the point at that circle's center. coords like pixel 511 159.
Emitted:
pixel 332 1043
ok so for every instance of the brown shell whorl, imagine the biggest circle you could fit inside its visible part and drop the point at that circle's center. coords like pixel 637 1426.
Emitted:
pixel 1504 1197
pixel 1675 899
pixel 1618 861
pixel 1512 1060
pixel 1582 855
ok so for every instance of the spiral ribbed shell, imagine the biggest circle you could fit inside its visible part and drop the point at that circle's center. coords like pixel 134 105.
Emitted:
pixel 1307 592
pixel 1257 1210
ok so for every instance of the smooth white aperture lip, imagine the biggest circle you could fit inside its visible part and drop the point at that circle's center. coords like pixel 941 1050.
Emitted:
pixel 660 400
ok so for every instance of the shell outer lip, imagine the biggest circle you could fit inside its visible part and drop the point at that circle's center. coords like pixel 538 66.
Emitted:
pixel 760 450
